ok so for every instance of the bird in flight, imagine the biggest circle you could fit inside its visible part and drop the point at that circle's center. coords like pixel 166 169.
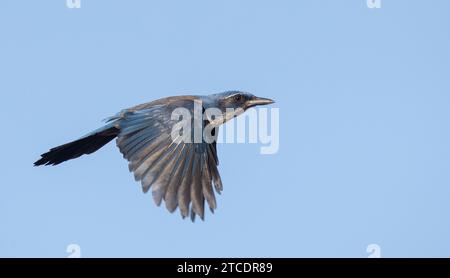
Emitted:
pixel 180 171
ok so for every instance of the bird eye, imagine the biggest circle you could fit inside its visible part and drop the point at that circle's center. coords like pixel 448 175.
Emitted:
pixel 237 97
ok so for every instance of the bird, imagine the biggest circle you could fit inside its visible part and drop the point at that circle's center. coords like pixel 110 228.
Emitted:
pixel 180 172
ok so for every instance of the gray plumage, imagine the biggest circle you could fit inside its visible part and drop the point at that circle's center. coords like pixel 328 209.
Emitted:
pixel 184 175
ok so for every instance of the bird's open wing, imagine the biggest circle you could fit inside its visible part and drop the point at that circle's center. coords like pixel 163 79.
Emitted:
pixel 182 174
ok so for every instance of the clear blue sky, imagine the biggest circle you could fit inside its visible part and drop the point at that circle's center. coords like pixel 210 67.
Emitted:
pixel 364 98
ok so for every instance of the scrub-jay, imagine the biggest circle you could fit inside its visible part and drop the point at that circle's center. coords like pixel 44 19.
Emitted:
pixel 182 173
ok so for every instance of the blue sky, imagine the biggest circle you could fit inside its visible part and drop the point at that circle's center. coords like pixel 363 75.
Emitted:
pixel 364 100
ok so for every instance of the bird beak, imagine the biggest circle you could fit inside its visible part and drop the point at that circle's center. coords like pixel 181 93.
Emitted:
pixel 259 101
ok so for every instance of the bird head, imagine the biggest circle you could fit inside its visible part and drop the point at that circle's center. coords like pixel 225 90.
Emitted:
pixel 242 100
pixel 234 103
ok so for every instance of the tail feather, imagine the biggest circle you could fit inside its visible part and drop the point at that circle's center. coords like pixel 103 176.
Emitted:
pixel 86 145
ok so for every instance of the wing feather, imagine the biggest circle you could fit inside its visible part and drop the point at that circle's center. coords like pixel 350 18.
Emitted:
pixel 182 174
pixel 170 194
pixel 184 196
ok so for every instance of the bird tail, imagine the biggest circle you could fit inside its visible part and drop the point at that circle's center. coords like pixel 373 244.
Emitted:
pixel 85 145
